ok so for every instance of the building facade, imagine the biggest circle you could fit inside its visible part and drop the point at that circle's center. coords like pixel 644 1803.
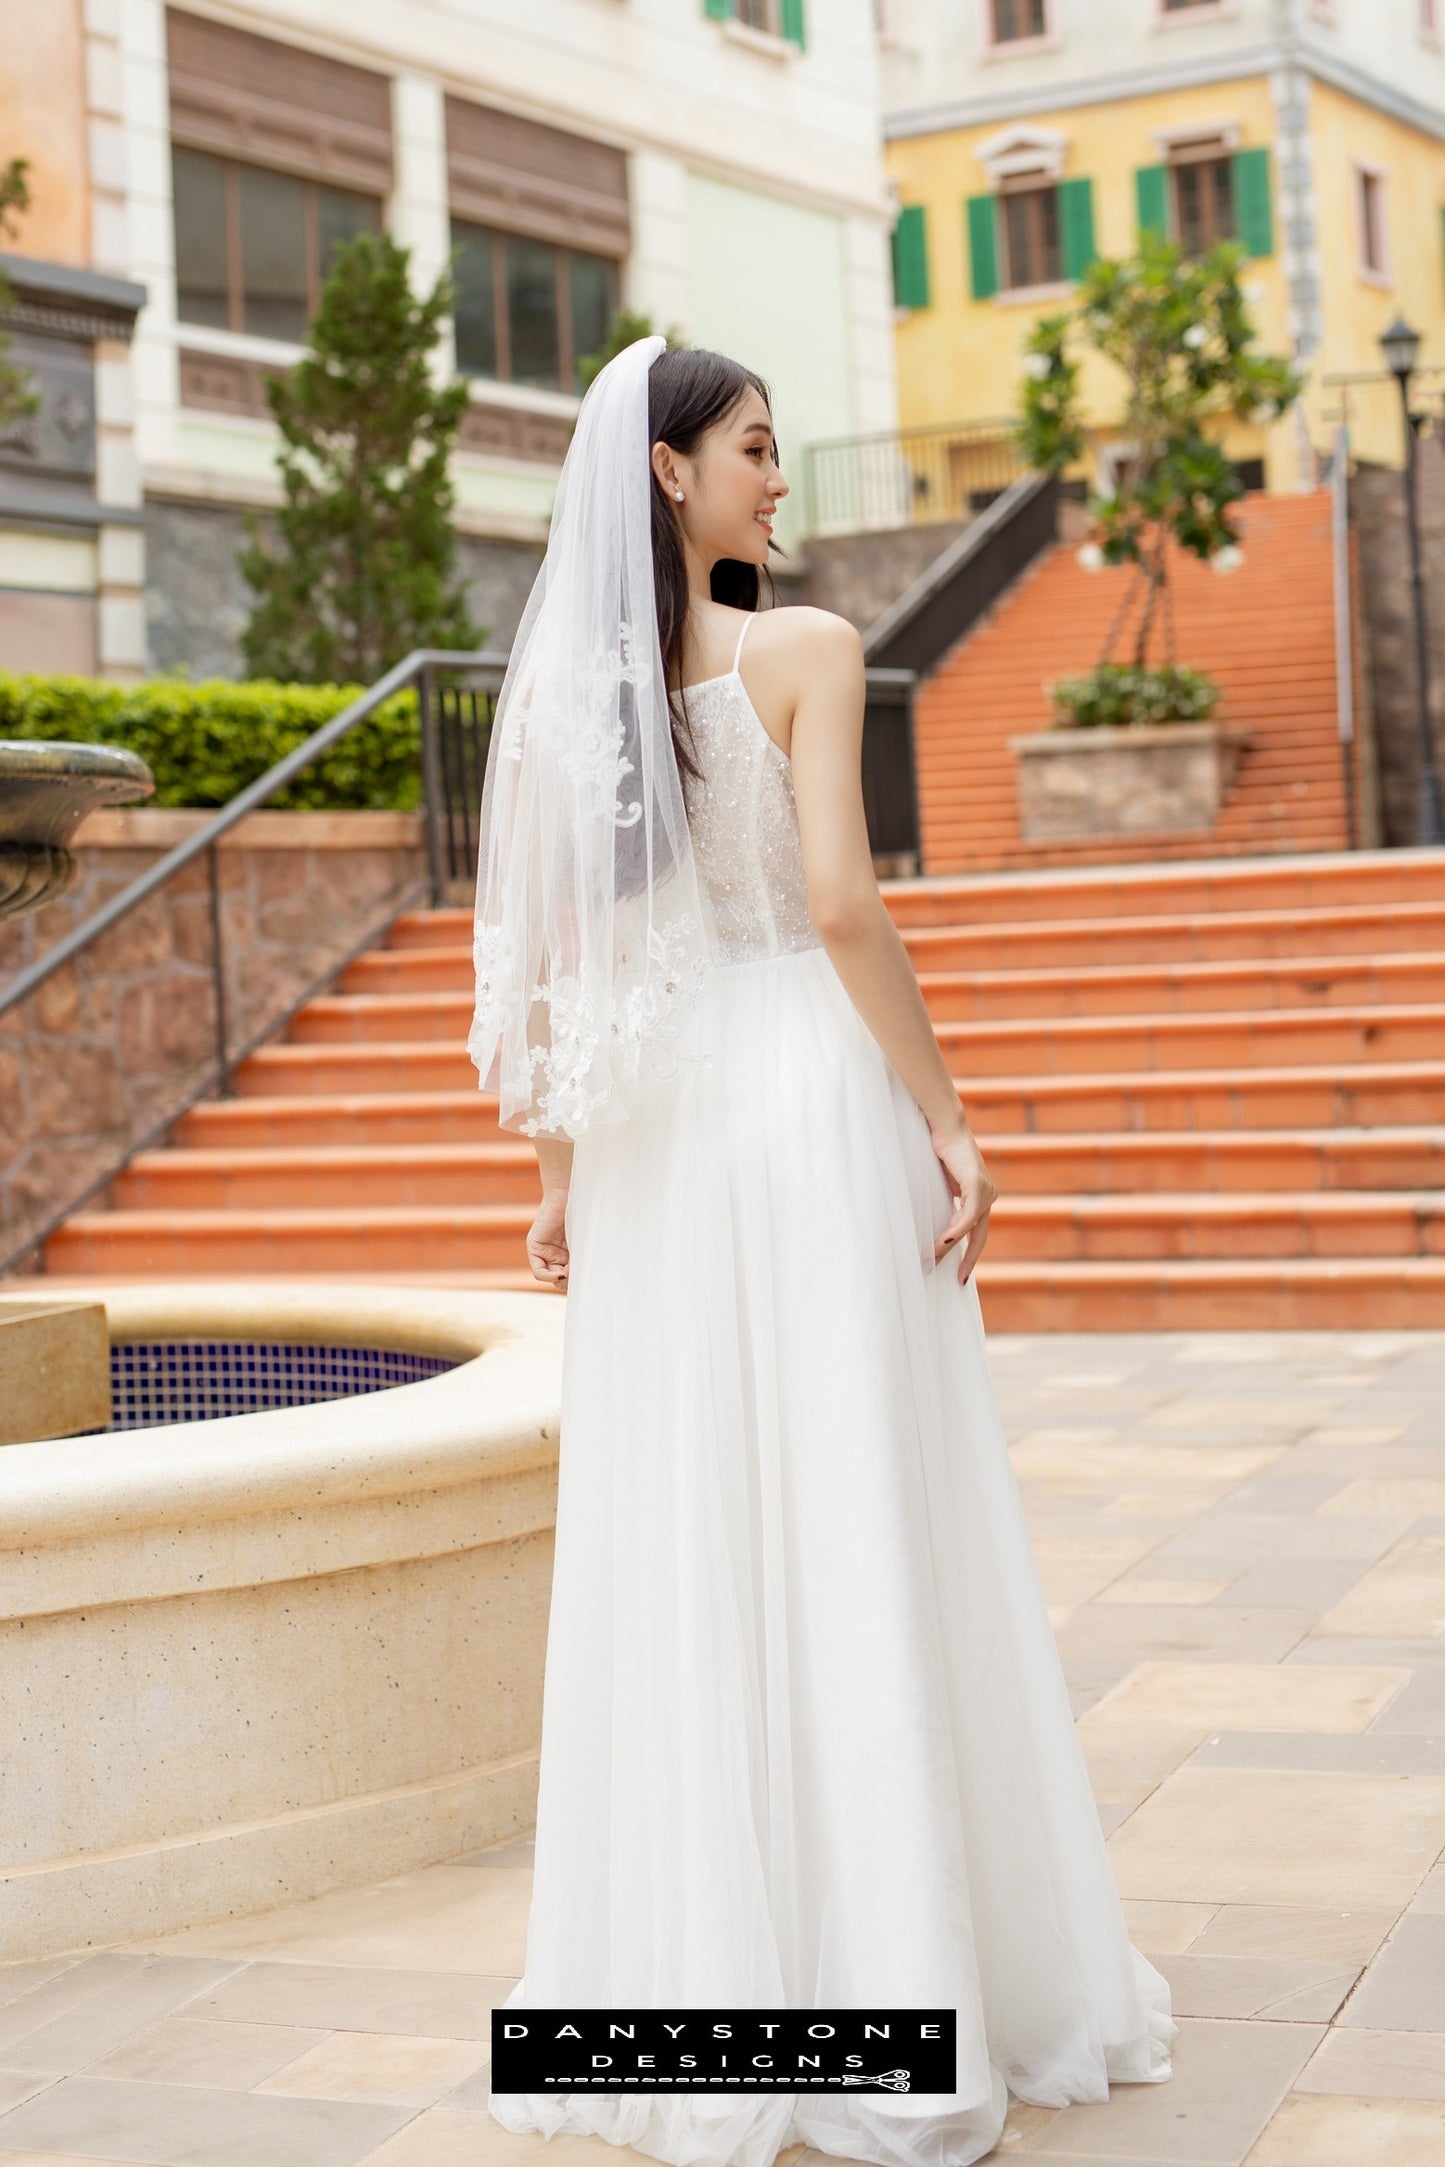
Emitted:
pixel 714 164
pixel 1026 136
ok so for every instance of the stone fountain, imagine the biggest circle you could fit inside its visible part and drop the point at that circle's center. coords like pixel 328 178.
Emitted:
pixel 54 1356
pixel 46 790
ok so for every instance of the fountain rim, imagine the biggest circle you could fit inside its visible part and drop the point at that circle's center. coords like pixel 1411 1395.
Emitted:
pixel 495 1412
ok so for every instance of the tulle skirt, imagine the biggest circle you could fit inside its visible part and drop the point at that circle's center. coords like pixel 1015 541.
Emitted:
pixel 806 1740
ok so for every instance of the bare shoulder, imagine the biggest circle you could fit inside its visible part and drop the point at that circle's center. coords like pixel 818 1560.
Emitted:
pixel 813 655
pixel 813 635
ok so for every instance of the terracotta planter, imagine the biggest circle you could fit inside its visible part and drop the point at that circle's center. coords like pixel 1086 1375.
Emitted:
pixel 1162 779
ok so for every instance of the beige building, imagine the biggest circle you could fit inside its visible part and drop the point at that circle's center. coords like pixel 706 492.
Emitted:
pixel 716 164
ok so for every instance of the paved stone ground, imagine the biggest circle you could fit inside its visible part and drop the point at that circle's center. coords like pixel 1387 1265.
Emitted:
pixel 1243 1541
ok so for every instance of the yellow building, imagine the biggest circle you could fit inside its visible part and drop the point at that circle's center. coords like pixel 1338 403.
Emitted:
pixel 1044 132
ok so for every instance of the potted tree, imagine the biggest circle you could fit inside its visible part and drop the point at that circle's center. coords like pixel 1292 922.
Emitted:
pixel 1137 743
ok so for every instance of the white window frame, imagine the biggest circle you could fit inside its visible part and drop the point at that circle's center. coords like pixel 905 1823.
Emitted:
pixel 1364 170
pixel 772 42
pixel 1200 139
pixel 1109 456
pixel 1022 149
pixel 1208 11
pixel 992 48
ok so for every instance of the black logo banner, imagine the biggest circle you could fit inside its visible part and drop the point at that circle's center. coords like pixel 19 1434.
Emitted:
pixel 759 2050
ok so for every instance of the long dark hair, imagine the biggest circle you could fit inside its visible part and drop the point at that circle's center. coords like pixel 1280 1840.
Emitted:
pixel 690 388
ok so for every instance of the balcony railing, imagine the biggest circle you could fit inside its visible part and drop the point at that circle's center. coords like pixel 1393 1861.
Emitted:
pixel 908 477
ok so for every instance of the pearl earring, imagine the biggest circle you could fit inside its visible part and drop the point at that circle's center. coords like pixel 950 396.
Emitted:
pixel 678 494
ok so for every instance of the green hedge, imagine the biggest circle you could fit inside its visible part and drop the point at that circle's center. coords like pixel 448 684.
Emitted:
pixel 1117 695
pixel 204 742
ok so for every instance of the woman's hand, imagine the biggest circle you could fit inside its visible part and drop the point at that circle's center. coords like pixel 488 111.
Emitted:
pixel 973 1185
pixel 547 1240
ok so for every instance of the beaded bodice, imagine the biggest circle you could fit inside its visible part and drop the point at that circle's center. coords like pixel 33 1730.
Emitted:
pixel 744 826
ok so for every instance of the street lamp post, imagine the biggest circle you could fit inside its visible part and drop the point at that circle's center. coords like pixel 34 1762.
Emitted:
pixel 1402 347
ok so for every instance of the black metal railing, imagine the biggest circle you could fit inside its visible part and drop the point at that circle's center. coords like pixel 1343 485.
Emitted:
pixel 204 1011
pixel 911 638
pixel 456 732
pixel 908 477
pixel 890 785
pixel 965 579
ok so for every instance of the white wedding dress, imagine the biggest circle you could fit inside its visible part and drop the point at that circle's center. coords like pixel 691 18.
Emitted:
pixel 806 1740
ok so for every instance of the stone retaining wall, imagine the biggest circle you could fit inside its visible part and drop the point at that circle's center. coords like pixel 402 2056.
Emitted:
pixel 115 1043
pixel 1377 507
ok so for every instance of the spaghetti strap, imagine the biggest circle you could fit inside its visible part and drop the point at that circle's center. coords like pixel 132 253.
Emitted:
pixel 738 651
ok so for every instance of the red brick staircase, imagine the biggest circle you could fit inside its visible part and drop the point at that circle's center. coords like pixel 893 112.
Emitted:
pixel 1265 631
pixel 1211 1093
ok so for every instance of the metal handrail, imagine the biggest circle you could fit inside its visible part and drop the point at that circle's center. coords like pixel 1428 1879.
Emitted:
pixel 421 668
pixel 415 665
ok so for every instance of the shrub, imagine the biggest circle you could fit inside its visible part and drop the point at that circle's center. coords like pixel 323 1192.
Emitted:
pixel 204 742
pixel 1117 696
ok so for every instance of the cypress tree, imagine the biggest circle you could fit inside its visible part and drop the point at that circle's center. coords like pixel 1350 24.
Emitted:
pixel 365 570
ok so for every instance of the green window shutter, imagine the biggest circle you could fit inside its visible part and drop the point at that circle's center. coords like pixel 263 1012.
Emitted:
pixel 794 29
pixel 1152 198
pixel 910 258
pixel 719 10
pixel 1076 226
pixel 1253 212
pixel 983 246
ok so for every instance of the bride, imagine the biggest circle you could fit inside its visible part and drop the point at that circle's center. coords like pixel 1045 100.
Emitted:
pixel 806 1741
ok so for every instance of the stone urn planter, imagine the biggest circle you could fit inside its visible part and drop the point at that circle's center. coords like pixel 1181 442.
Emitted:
pixel 1102 783
pixel 46 790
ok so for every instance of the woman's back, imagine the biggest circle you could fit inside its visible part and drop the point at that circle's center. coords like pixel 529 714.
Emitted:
pixel 744 825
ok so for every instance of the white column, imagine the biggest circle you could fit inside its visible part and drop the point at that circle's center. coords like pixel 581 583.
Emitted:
pixel 120 556
pixel 657 270
pixel 146 105
pixel 1297 240
pixel 419 216
pixel 870 322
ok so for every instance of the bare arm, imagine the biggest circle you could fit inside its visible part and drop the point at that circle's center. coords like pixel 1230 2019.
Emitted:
pixel 852 919
pixel 843 899
pixel 554 1159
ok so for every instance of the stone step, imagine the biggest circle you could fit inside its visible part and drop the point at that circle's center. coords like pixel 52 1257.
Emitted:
pixel 1360 1094
pixel 1348 1294
pixel 1279 881
pixel 1170 1225
pixel 314 1176
pixel 1219 937
pixel 1243 1294
pixel 954 995
pixel 1067 1045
